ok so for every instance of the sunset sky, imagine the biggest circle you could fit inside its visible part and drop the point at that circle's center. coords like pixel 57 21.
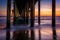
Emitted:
pixel 46 8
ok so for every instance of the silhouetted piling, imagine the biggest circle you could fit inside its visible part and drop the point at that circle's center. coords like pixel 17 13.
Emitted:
pixel 27 12
pixel 8 19
pixel 23 14
pixel 53 19
pixel 14 5
pixel 32 13
pixel 39 18
pixel 39 12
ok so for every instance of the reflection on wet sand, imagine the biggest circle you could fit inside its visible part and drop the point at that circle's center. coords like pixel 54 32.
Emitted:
pixel 46 34
pixel 20 35
pixel 46 31
pixel 32 34
pixel 23 35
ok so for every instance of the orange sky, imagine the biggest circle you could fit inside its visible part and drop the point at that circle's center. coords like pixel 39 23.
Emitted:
pixel 47 12
pixel 46 9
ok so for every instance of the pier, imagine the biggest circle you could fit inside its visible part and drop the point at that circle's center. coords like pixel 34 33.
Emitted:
pixel 24 14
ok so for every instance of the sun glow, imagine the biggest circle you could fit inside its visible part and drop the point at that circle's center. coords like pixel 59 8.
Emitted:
pixel 47 12
pixel 44 12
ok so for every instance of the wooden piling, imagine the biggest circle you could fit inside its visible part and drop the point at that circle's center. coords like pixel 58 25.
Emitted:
pixel 27 12
pixel 14 20
pixel 53 19
pixel 39 18
pixel 32 13
pixel 24 14
pixel 8 19
pixel 39 12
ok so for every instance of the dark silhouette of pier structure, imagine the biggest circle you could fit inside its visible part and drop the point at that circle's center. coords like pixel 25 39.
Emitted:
pixel 22 9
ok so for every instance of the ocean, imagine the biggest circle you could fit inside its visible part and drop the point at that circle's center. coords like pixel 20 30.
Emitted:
pixel 45 28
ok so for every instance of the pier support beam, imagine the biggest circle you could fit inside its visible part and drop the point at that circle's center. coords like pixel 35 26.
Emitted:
pixel 53 20
pixel 27 12
pixel 8 19
pixel 24 17
pixel 14 12
pixel 39 12
pixel 32 13
pixel 39 18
